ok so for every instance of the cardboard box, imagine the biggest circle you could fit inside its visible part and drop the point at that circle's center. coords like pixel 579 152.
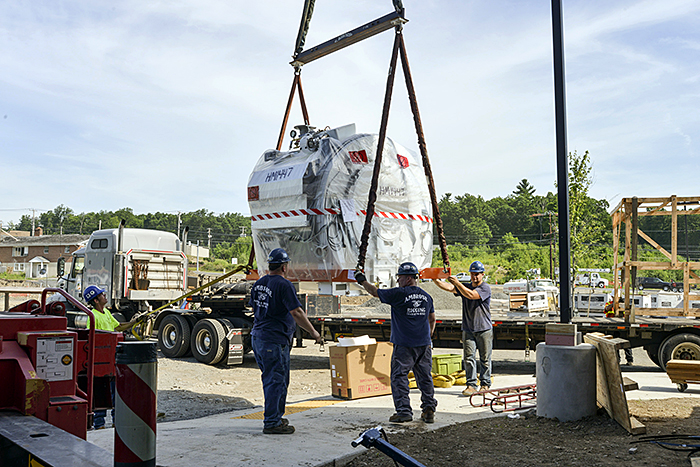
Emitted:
pixel 361 370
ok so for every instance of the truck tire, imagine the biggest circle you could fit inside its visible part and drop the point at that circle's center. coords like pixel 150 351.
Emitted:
pixel 174 336
pixel 685 346
pixel 601 285
pixel 666 289
pixel 119 317
pixel 653 353
pixel 640 287
pixel 207 342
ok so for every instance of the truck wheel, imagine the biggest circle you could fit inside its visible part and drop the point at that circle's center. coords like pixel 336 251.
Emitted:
pixel 601 285
pixel 174 336
pixel 653 353
pixel 640 287
pixel 683 346
pixel 207 343
pixel 666 289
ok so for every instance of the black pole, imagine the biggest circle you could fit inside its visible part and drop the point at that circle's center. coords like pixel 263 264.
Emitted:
pixel 562 165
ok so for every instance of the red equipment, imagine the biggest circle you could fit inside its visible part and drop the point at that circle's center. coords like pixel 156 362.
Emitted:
pixel 49 371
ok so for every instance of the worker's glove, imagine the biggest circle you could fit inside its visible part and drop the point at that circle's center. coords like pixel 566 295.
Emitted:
pixel 360 277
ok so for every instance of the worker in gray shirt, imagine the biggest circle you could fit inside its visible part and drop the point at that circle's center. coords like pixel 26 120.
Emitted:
pixel 477 330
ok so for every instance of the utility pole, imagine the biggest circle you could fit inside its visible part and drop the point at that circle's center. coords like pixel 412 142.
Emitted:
pixel 179 222
pixel 242 231
pixel 209 239
pixel 33 220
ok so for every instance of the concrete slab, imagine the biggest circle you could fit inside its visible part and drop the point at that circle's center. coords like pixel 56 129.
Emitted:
pixel 323 434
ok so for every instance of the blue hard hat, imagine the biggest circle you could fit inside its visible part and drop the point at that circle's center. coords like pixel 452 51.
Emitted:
pixel 476 266
pixel 92 292
pixel 278 256
pixel 407 269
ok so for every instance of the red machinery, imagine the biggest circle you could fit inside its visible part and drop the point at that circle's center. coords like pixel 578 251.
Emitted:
pixel 50 372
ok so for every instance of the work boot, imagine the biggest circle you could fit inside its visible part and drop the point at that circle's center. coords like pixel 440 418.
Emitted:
pixel 428 416
pixel 280 429
pixel 484 387
pixel 398 418
pixel 469 391
pixel 284 422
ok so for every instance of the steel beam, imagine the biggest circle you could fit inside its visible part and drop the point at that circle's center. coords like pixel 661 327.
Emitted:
pixel 351 37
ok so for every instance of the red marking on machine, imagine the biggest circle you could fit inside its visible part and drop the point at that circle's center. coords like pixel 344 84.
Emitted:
pixel 330 211
pixel 358 157
pixel 403 161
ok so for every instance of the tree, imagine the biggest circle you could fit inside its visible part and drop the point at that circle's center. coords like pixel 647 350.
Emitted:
pixel 588 218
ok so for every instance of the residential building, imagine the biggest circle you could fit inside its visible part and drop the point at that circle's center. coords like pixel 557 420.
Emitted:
pixel 37 256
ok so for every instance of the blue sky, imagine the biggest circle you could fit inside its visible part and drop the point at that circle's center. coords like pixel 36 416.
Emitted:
pixel 166 106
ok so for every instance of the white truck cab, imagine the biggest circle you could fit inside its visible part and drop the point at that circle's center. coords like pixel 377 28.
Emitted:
pixel 138 268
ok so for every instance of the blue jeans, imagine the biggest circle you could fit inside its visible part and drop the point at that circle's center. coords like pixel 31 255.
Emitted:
pixel 100 415
pixel 483 341
pixel 420 361
pixel 273 361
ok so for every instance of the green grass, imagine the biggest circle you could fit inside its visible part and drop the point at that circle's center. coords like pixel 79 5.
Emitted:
pixel 12 276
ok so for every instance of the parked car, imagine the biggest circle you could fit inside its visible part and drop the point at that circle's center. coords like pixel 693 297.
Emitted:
pixel 653 283
pixel 463 277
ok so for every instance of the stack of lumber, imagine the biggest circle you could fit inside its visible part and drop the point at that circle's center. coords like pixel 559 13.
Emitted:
pixel 610 386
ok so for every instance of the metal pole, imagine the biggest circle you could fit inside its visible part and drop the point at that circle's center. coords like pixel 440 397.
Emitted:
pixel 562 164
pixel 135 404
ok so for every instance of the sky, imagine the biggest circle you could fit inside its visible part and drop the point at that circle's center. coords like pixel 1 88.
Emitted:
pixel 165 106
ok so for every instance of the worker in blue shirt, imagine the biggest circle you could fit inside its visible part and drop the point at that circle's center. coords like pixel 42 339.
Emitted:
pixel 477 329
pixel 412 324
pixel 277 312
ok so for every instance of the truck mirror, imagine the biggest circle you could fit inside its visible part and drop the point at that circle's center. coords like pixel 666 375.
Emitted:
pixel 60 266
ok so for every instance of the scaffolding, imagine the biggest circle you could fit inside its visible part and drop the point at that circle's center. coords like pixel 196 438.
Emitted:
pixel 628 212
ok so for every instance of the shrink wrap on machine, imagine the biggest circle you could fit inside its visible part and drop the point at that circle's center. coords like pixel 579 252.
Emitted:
pixel 312 202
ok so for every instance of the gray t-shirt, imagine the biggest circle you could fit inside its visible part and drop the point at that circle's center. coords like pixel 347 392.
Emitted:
pixel 476 314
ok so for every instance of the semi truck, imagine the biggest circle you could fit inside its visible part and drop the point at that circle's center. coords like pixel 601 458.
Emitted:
pixel 139 269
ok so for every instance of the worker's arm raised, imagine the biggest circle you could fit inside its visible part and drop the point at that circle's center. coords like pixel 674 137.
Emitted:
pixel 462 290
pixel 444 285
pixel 368 286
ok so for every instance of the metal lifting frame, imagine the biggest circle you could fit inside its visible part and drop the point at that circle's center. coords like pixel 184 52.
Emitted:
pixel 394 20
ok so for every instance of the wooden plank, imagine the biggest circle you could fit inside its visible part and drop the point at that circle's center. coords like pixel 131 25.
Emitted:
pixel 654 244
pixel 610 392
pixel 629 384
pixel 637 427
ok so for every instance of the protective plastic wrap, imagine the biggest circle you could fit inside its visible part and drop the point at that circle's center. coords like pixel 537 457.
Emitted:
pixel 312 202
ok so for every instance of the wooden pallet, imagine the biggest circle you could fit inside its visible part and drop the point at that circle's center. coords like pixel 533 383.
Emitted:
pixel 683 372
pixel 610 385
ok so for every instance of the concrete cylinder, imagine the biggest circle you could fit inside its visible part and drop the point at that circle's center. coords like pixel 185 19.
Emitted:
pixel 135 405
pixel 566 381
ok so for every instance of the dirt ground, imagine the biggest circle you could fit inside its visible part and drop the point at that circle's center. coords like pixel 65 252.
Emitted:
pixel 188 389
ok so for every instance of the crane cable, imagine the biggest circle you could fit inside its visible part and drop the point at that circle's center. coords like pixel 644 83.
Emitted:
pixel 399 46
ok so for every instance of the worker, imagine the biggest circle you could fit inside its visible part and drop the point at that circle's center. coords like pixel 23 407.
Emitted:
pixel 412 325
pixel 277 309
pixel 95 297
pixel 477 330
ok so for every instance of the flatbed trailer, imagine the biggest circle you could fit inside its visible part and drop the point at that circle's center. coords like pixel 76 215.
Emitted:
pixel 662 338
pixel 207 331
